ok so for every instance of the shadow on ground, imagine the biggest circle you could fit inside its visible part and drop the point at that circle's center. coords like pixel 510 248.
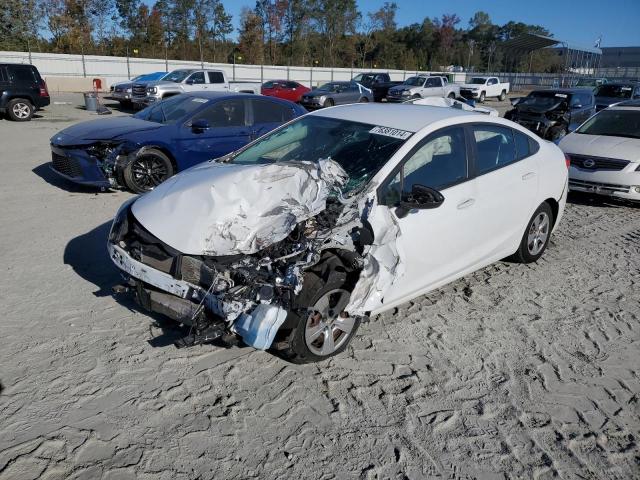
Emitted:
pixel 586 199
pixel 45 172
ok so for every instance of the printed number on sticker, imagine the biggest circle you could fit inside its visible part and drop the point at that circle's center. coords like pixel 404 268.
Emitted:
pixel 390 132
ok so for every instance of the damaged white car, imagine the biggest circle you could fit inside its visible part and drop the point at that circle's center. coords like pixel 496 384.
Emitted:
pixel 292 241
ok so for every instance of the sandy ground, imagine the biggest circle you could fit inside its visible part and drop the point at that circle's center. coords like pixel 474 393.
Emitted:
pixel 512 372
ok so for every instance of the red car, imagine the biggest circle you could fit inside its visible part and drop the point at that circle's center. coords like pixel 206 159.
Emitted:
pixel 286 89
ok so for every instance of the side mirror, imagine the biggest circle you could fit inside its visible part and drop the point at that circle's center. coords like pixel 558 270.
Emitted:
pixel 200 125
pixel 189 81
pixel 420 198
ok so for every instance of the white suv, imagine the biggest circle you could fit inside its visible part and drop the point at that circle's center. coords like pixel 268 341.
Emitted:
pixel 605 152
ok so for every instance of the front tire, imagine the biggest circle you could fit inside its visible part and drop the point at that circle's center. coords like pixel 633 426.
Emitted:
pixel 363 100
pixel 20 110
pixel 452 95
pixel 536 236
pixel 482 97
pixel 557 133
pixel 320 328
pixel 328 103
pixel 148 170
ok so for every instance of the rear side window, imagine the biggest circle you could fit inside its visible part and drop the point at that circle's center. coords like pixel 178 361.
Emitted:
pixel 495 147
pixel 586 99
pixel 22 74
pixel 265 111
pixel 523 146
pixel 292 85
pixel 217 77
pixel 3 77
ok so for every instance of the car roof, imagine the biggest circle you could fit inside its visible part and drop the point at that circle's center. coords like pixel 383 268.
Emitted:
pixel 564 90
pixel 626 104
pixel 411 118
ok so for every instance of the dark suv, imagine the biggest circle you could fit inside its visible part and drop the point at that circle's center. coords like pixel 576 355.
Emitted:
pixel 553 113
pixel 22 91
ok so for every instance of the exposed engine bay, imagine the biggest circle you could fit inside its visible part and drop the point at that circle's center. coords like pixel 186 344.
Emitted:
pixel 242 271
pixel 548 119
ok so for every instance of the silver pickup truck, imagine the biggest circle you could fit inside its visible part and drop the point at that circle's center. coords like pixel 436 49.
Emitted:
pixel 423 86
pixel 188 80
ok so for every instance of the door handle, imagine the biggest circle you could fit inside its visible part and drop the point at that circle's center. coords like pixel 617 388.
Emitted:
pixel 466 204
pixel 528 176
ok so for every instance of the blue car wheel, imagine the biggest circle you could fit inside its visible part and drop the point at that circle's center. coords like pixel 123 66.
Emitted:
pixel 147 171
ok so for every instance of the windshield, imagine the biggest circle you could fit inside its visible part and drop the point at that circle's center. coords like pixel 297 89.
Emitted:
pixel 477 81
pixel 355 146
pixel 414 81
pixel 171 110
pixel 177 76
pixel 613 123
pixel 544 99
pixel 614 91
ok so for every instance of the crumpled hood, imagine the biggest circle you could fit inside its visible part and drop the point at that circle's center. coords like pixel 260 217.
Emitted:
pixel 101 129
pixel 601 146
pixel 226 209
pixel 402 88
pixel 521 108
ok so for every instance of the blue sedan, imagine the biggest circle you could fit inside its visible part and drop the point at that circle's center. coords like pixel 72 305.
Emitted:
pixel 141 151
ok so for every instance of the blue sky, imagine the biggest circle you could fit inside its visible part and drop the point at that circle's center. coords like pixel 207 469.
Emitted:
pixel 575 21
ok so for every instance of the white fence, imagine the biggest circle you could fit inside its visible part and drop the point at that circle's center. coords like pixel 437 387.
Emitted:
pixel 115 69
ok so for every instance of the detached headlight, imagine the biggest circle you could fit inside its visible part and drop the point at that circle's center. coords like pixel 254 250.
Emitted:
pixel 152 90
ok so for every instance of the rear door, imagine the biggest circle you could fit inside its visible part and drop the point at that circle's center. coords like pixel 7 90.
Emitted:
pixel 506 172
pixel 24 80
pixel 435 244
pixel 217 81
pixel 265 115
pixel 228 131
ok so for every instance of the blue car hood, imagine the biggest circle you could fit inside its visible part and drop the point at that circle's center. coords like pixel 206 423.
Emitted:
pixel 608 101
pixel 102 129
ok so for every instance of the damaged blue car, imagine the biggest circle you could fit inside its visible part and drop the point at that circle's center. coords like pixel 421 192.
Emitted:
pixel 139 152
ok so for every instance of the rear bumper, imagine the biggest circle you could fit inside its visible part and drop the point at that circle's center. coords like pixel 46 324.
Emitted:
pixel 621 184
pixel 78 167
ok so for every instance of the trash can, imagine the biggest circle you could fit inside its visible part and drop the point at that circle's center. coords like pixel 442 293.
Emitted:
pixel 91 101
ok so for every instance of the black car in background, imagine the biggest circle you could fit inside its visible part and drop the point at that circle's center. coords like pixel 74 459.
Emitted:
pixel 379 83
pixel 22 91
pixel 611 93
pixel 553 113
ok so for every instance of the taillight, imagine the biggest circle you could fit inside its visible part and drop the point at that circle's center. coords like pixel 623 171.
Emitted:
pixel 44 92
pixel 567 159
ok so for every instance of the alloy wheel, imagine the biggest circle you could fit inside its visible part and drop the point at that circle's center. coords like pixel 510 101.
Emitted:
pixel 21 110
pixel 328 327
pixel 538 233
pixel 148 172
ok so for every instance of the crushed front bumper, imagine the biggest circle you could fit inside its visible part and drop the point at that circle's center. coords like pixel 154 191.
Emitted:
pixel 77 166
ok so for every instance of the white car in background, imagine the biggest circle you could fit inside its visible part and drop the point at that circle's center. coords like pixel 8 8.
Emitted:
pixel 605 152
pixel 340 214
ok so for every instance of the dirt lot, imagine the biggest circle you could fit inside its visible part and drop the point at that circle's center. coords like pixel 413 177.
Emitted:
pixel 515 371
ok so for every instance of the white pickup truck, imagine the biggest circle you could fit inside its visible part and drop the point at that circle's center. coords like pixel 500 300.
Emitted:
pixel 480 88
pixel 423 86
pixel 188 80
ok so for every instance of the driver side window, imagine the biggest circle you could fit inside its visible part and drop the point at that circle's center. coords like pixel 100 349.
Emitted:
pixel 438 162
pixel 197 78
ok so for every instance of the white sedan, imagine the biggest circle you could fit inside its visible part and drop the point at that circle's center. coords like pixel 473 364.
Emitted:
pixel 605 152
pixel 336 216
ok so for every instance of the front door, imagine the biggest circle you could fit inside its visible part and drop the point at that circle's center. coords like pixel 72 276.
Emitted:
pixel 195 81
pixel 435 245
pixel 228 131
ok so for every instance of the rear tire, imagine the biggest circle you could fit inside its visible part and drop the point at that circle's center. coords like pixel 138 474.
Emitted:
pixel 502 96
pixel 319 330
pixel 20 110
pixel 147 171
pixel 536 236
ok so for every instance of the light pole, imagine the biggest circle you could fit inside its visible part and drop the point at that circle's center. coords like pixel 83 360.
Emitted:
pixel 234 64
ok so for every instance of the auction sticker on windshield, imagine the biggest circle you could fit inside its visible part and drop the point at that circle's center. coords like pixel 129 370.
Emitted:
pixel 391 132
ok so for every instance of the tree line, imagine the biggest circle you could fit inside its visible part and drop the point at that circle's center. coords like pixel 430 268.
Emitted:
pixel 324 33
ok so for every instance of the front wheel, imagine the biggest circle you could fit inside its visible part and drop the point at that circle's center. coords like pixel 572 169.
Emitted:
pixel 452 95
pixel 148 170
pixel 482 97
pixel 536 236
pixel 328 103
pixel 321 328
pixel 364 100
pixel 20 110
pixel 557 133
